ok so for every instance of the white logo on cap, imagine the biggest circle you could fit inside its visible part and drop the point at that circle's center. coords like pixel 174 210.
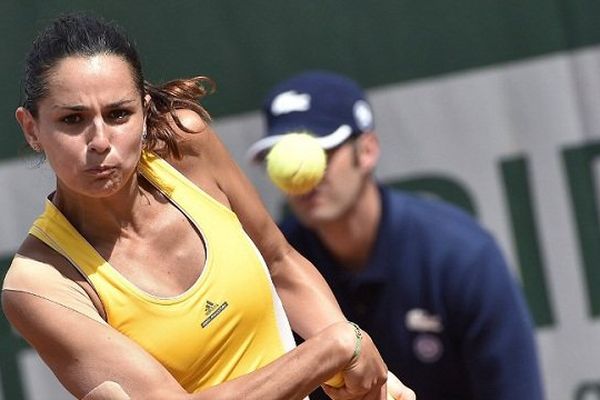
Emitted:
pixel 363 115
pixel 290 101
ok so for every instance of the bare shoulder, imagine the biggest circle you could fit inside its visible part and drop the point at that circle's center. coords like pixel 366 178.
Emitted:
pixel 39 253
pixel 191 120
pixel 40 271
pixel 194 137
pixel 205 160
pixel 83 353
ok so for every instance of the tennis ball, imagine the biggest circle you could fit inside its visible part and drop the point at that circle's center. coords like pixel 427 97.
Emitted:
pixel 296 164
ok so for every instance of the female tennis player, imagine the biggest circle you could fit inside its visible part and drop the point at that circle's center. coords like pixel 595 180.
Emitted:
pixel 154 271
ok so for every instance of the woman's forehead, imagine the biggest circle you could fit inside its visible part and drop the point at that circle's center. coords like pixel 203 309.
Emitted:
pixel 99 65
pixel 101 75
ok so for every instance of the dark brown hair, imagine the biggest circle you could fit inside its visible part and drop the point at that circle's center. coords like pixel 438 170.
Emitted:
pixel 79 34
pixel 165 100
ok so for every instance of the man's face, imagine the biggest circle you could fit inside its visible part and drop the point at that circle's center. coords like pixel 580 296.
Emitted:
pixel 339 191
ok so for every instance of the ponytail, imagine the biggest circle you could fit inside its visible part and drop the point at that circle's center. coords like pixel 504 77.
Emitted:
pixel 161 110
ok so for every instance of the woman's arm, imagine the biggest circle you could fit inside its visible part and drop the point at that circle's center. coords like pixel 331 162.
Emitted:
pixel 307 299
pixel 85 354
pixel 309 303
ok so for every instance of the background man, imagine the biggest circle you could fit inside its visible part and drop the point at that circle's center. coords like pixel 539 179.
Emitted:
pixel 428 283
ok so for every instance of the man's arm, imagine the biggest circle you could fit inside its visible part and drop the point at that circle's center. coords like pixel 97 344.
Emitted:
pixel 498 336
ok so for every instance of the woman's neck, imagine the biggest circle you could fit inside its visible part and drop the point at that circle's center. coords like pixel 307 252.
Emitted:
pixel 108 218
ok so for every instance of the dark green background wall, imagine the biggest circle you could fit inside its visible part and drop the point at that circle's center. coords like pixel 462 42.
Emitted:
pixel 248 46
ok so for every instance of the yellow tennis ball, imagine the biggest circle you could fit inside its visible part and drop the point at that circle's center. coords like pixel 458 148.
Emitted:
pixel 296 164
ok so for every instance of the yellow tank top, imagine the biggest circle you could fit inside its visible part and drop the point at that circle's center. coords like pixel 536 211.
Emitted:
pixel 229 323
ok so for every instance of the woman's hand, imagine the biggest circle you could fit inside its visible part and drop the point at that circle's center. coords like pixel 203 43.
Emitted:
pixel 397 390
pixel 365 376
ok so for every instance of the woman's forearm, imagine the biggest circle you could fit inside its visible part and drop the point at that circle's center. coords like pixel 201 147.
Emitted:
pixel 294 375
pixel 309 303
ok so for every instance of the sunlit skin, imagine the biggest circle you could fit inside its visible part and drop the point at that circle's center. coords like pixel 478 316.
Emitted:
pixel 89 126
pixel 89 123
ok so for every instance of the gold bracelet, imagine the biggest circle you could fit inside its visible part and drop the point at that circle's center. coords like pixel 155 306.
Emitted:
pixel 357 342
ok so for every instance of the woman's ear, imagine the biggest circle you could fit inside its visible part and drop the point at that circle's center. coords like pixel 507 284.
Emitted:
pixel 29 128
pixel 368 150
pixel 146 102
pixel 146 106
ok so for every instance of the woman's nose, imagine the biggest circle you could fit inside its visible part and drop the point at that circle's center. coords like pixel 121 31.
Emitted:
pixel 100 138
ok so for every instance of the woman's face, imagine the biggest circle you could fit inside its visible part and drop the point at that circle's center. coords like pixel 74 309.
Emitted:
pixel 89 125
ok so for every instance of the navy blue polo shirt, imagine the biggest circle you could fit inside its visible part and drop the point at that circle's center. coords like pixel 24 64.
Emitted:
pixel 438 300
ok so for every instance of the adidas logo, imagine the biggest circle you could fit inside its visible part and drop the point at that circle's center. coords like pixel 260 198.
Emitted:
pixel 209 307
pixel 212 311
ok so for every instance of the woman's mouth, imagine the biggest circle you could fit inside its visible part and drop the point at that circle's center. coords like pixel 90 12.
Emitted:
pixel 101 170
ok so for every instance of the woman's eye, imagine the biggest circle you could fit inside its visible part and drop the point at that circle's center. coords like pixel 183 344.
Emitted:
pixel 119 115
pixel 72 119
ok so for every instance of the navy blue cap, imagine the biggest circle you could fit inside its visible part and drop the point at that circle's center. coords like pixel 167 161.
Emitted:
pixel 329 106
